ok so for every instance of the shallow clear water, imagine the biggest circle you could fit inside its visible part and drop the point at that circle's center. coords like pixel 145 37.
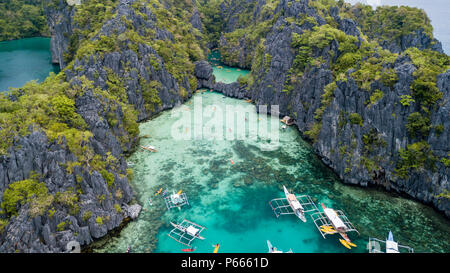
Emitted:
pixel 231 200
pixel 24 60
pixel 224 73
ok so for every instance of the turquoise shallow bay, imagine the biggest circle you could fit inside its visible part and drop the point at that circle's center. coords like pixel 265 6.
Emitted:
pixel 222 72
pixel 231 200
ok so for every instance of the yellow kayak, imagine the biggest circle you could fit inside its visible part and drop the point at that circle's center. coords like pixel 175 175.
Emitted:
pixel 328 231
pixel 344 243
pixel 351 244
pixel 216 249
pixel 179 192
pixel 158 192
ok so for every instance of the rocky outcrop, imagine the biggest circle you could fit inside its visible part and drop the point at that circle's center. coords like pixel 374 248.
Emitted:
pixel 204 73
pixel 35 153
pixel 196 20
pixel 417 39
pixel 206 79
pixel 387 119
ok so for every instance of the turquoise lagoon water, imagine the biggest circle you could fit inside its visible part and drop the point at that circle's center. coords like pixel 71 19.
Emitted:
pixel 231 200
pixel 224 73
pixel 24 60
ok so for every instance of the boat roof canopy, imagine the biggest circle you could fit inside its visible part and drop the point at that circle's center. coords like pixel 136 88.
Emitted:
pixel 192 230
pixel 334 218
pixel 391 247
pixel 296 205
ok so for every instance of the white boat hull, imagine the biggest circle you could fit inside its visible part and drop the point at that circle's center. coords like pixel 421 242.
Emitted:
pixel 300 215
pixel 298 211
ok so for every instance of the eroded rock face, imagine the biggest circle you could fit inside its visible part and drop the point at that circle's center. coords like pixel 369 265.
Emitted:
pixel 132 211
pixel 417 39
pixel 59 19
pixel 34 153
pixel 203 70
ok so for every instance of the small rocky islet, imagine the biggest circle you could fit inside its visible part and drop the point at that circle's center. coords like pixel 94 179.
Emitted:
pixel 372 104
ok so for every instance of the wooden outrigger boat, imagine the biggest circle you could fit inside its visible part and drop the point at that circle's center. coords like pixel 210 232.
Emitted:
pixel 391 245
pixel 186 232
pixel 178 200
pixel 273 249
pixel 337 226
pixel 149 148
pixel 332 221
pixel 191 230
pixel 293 204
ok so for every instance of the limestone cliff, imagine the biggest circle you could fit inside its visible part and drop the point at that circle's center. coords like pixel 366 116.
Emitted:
pixel 357 114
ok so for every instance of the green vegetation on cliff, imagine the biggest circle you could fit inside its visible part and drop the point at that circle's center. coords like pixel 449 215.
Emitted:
pixel 23 192
pixel 388 23
pixel 248 33
pixel 211 19
pixel 21 19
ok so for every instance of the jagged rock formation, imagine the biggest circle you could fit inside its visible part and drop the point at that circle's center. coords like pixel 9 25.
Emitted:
pixel 206 79
pixel 417 39
pixel 34 153
pixel 395 28
pixel 59 18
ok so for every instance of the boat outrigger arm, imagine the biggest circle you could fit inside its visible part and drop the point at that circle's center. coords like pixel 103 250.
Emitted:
pixel 292 204
pixel 332 221
pixel 176 200
pixel 186 232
